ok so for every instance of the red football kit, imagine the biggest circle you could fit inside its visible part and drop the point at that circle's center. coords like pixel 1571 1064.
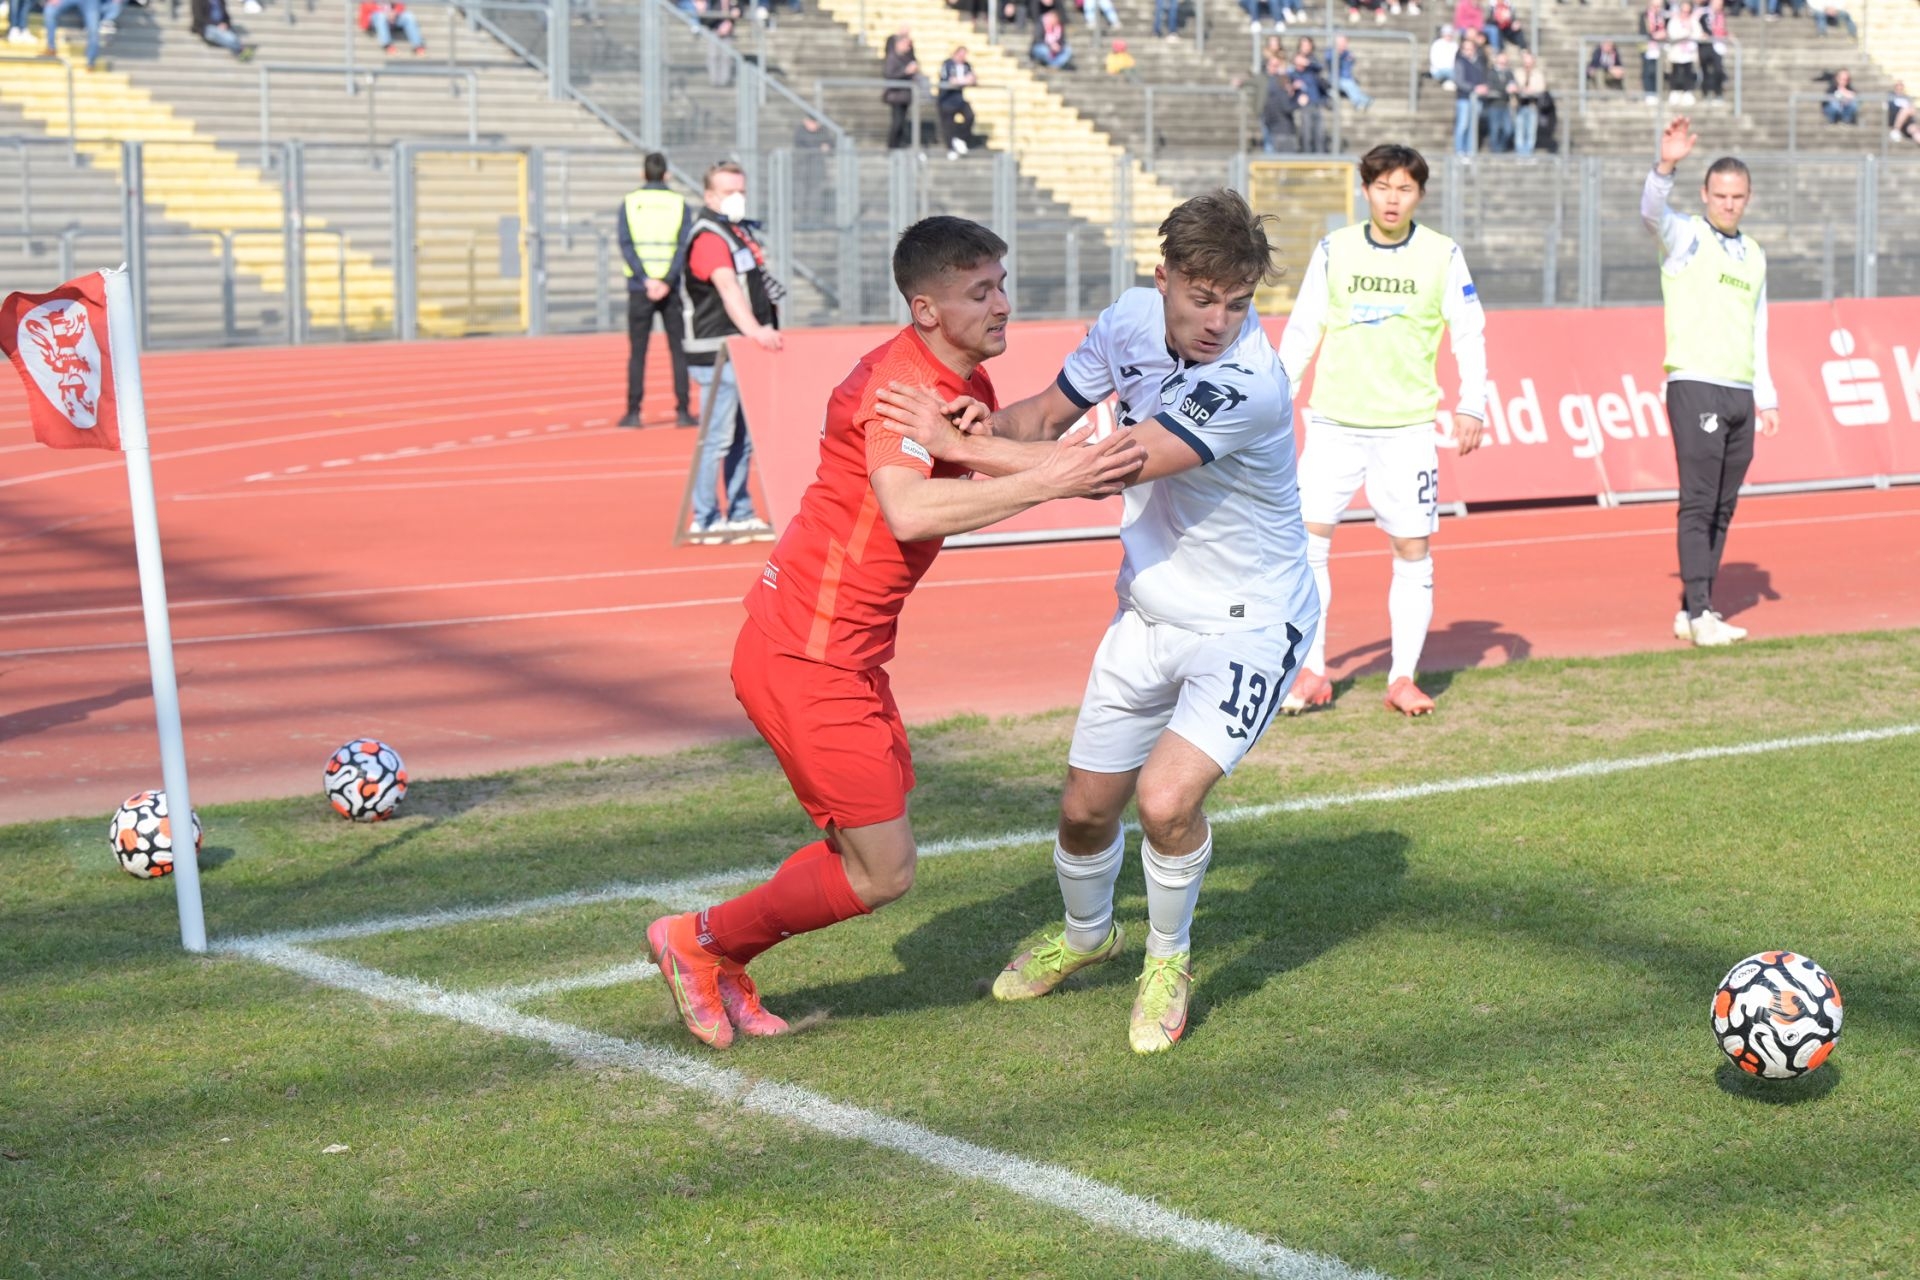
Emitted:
pixel 820 621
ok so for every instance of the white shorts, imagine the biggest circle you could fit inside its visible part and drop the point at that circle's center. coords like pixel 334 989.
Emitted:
pixel 1400 467
pixel 1217 690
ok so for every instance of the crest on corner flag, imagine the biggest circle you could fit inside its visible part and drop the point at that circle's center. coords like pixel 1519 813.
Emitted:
pixel 58 341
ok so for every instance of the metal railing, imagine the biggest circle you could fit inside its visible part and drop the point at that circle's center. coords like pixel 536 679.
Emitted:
pixel 373 77
pixel 1797 98
pixel 921 90
pixel 457 18
pixel 1150 93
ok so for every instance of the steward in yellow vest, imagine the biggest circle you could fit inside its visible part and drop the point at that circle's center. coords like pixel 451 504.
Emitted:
pixel 650 227
pixel 1713 277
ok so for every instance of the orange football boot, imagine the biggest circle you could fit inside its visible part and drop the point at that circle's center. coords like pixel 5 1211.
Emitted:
pixel 741 999
pixel 692 976
pixel 1310 689
pixel 1405 697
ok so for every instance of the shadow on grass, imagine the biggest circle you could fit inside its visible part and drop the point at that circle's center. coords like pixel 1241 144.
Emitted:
pixel 1777 1093
pixel 1311 895
pixel 1458 646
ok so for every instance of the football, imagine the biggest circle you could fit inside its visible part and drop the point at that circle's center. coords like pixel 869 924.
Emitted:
pixel 1777 1015
pixel 366 780
pixel 141 836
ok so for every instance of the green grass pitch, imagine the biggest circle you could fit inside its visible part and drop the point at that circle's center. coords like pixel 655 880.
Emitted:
pixel 1458 1035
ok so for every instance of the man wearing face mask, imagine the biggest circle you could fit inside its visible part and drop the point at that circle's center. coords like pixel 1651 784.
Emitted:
pixel 728 292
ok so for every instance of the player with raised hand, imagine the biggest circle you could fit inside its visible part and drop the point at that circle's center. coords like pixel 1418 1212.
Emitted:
pixel 1373 301
pixel 1713 279
pixel 821 619
pixel 1215 601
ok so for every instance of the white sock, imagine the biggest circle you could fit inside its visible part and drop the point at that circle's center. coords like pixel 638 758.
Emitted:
pixel 1173 887
pixel 1410 613
pixel 1086 886
pixel 1318 549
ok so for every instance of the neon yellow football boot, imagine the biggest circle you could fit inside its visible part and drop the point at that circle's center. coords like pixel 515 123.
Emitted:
pixel 1160 1010
pixel 1033 973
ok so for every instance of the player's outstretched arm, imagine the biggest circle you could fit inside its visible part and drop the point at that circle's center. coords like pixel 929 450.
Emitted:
pixel 917 507
pixel 1676 144
pixel 942 429
pixel 1038 417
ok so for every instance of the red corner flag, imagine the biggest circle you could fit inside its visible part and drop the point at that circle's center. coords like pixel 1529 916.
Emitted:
pixel 58 341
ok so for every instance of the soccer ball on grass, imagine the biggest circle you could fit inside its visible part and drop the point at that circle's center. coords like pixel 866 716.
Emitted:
pixel 366 780
pixel 141 836
pixel 1777 1015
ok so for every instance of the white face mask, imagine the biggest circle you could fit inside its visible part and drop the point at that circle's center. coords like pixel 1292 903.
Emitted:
pixel 734 207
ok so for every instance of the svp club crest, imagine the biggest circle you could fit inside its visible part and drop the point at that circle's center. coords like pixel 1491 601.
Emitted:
pixel 61 354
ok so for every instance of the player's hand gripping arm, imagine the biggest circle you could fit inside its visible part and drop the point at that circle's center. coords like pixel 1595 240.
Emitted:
pixel 953 431
pixel 1467 334
pixel 1308 319
pixel 918 507
pixel 733 296
pixel 1039 417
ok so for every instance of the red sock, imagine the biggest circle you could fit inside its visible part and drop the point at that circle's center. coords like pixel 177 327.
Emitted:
pixel 808 892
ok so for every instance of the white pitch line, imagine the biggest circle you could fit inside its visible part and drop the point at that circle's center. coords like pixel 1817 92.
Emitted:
pixel 1096 1202
pixel 697 891
pixel 618 975
pixel 379 487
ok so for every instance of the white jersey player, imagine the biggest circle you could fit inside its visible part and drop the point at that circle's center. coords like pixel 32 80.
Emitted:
pixel 1380 291
pixel 1217 605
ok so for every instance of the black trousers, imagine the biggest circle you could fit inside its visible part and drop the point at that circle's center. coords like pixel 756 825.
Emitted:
pixel 956 121
pixel 899 126
pixel 640 313
pixel 1712 430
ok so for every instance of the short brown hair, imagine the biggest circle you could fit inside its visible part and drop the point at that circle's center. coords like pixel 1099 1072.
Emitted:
pixel 933 246
pixel 721 166
pixel 1389 156
pixel 1217 238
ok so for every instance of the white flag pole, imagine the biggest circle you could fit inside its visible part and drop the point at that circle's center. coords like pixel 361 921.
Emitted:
pixel 123 339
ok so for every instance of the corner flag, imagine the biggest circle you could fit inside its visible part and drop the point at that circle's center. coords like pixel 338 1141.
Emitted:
pixel 77 351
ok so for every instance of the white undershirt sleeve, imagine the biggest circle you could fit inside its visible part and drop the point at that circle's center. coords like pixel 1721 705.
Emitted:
pixel 1674 232
pixel 1467 335
pixel 1308 320
pixel 1764 394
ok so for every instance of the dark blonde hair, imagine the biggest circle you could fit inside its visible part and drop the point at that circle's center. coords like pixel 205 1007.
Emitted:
pixel 723 166
pixel 1217 238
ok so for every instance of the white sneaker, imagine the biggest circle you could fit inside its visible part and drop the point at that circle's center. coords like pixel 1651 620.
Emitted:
pixel 19 35
pixel 1255 28
pixel 1708 632
pixel 1681 628
pixel 750 530
pixel 1729 630
pixel 251 6
pixel 706 534
pixel 960 146
pixel 1414 9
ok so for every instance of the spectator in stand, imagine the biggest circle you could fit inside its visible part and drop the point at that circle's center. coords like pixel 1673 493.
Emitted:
pixel 1605 69
pixel 1901 121
pixel 956 113
pixel 1051 49
pixel 1310 99
pixel 899 64
pixel 1166 19
pixel 1413 8
pixel 1529 92
pixel 1469 92
pixel 1469 15
pixel 1827 14
pixel 1506 28
pixel 382 18
pixel 1108 14
pixel 91 17
pixel 211 24
pixel 1773 8
pixel 1255 7
pixel 1276 109
pixel 812 195
pixel 1344 75
pixel 1710 29
pixel 1440 55
pixel 1119 61
pixel 1497 109
pixel 1377 8
pixel 1842 104
pixel 1653 26
pixel 1683 56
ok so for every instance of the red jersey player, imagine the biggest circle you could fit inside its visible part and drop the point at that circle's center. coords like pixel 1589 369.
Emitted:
pixel 821 621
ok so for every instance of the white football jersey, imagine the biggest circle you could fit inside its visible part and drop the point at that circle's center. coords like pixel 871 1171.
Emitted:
pixel 1219 547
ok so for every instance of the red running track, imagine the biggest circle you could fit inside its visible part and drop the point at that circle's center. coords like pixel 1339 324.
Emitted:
pixel 449 546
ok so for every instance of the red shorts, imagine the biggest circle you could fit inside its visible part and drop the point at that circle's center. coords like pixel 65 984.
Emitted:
pixel 837 733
